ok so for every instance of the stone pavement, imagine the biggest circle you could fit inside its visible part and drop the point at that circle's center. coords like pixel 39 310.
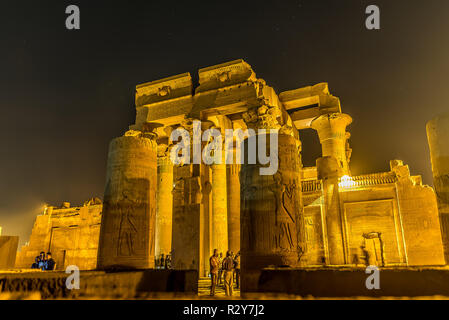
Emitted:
pixel 204 289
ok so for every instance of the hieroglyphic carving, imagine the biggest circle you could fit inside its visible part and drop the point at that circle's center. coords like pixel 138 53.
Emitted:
pixel 270 210
pixel 285 220
pixel 264 117
pixel 247 195
pixel 187 190
pixel 129 211
pixel 128 232
pixel 442 188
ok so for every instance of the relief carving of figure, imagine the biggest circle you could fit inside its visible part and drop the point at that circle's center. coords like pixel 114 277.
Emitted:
pixel 441 190
pixel 195 195
pixel 285 213
pixel 127 230
pixel 179 191
pixel 248 194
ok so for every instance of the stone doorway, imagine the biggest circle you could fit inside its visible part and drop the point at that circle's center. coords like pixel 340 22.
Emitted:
pixel 373 249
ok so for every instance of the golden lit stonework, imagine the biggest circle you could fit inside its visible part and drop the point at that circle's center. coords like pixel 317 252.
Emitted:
pixel 299 217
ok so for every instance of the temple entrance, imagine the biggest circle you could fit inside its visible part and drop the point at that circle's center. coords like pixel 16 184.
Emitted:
pixel 373 250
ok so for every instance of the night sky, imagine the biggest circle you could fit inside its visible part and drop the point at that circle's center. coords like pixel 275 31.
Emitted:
pixel 65 94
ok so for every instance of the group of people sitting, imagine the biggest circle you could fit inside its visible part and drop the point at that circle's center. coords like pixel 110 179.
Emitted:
pixel 224 271
pixel 44 262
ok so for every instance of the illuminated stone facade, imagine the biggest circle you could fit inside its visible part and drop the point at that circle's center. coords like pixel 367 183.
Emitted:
pixel 298 217
pixel 8 251
pixel 438 136
pixel 70 233
pixel 391 214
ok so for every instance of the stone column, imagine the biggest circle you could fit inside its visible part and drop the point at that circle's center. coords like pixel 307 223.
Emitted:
pixel 164 202
pixel 233 178
pixel 129 209
pixel 219 208
pixel 331 130
pixel 188 210
pixel 270 204
pixel 329 172
pixel 438 137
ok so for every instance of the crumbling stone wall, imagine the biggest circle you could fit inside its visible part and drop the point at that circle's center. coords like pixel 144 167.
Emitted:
pixel 70 234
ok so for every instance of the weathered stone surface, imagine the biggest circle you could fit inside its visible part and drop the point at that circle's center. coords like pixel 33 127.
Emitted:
pixel 389 217
pixel 329 171
pixel 187 209
pixel 219 208
pixel 129 210
pixel 392 214
pixel 331 130
pixel 420 220
pixel 308 103
pixel 233 184
pixel 164 89
pixel 270 212
pixel 8 250
pixel 164 206
pixel 70 234
pixel 101 285
pixel 438 137
pixel 224 75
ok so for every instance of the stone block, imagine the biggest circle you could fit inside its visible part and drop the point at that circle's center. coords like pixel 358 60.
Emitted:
pixel 103 285
pixel 399 282
pixel 8 250
pixel 164 89
pixel 224 75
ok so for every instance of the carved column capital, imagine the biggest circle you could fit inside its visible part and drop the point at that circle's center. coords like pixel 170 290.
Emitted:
pixel 263 117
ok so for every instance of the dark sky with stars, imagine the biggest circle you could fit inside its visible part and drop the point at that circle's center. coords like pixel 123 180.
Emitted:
pixel 65 94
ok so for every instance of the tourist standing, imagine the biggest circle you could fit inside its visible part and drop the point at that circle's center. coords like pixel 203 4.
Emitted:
pixel 228 268
pixel 162 262
pixel 214 266
pixel 237 269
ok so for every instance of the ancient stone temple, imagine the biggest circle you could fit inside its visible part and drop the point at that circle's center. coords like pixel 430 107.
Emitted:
pixel 295 216
pixel 70 233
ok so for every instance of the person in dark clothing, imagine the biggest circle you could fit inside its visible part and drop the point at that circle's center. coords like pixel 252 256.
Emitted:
pixel 35 265
pixel 162 262
pixel 228 268
pixel 42 260
pixel 214 265
pixel 168 262
pixel 50 264
pixel 237 269
pixel 366 256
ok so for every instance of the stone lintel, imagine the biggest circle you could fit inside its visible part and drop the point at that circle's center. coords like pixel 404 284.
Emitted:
pixel 232 100
pixel 305 104
pixel 164 89
pixel 224 75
